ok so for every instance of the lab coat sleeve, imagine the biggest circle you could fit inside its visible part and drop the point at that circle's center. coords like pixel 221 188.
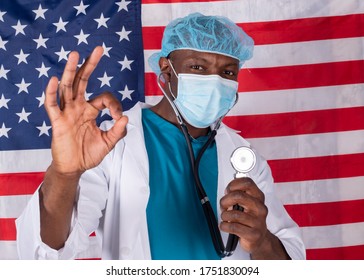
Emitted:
pixel 87 212
pixel 278 220
pixel 29 242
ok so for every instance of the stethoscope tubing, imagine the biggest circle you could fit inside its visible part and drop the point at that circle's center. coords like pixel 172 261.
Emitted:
pixel 211 220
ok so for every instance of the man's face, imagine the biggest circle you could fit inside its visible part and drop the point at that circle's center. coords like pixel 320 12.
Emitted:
pixel 201 63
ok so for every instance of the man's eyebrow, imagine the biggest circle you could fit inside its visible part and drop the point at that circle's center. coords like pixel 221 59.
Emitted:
pixel 201 59
pixel 232 64
pixel 192 57
pixel 198 59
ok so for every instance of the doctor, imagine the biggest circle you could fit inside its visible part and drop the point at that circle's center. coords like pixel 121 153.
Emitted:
pixel 131 182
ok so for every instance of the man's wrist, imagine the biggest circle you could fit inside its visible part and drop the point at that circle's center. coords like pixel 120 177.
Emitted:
pixel 63 176
pixel 271 248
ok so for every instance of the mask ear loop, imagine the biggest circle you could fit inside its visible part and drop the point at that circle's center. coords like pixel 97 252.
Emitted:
pixel 178 116
pixel 175 73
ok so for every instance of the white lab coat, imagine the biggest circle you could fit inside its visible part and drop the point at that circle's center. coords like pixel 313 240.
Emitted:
pixel 113 198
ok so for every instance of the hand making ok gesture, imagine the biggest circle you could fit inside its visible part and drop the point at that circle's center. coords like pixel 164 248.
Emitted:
pixel 77 143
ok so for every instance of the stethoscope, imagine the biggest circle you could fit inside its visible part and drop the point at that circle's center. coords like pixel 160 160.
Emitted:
pixel 243 161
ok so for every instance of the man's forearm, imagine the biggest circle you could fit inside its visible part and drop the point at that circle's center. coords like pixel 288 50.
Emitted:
pixel 56 197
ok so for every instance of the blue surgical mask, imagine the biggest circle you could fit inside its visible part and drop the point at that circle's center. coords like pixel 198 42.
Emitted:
pixel 203 99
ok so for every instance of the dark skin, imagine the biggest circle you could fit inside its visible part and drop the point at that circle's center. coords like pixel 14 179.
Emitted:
pixel 249 225
pixel 78 145
pixel 192 62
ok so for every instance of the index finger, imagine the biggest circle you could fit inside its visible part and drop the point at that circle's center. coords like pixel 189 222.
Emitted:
pixel 107 100
pixel 245 184
pixel 65 86
pixel 84 73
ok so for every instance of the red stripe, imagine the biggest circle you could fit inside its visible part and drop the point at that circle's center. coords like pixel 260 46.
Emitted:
pixel 288 77
pixel 284 31
pixel 8 233
pixel 301 76
pixel 296 123
pixel 284 170
pixel 327 213
pixel 150 84
pixel 20 183
pixel 339 253
pixel 7 229
pixel 152 37
pixel 305 29
pixel 317 168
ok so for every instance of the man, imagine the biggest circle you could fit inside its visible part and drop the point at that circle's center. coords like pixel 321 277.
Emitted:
pixel 134 182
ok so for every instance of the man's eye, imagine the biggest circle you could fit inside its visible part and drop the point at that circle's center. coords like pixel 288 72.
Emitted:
pixel 229 73
pixel 197 67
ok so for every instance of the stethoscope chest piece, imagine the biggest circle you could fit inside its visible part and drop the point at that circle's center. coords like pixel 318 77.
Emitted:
pixel 243 159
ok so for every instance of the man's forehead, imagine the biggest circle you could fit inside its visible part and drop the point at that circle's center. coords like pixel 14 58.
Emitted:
pixel 201 55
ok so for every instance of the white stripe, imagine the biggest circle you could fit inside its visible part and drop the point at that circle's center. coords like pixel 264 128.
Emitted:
pixel 301 53
pixel 152 100
pixel 251 10
pixel 299 100
pixel 297 146
pixel 290 193
pixel 333 236
pixel 318 191
pixel 147 54
pixel 295 100
pixel 310 145
pixel 8 250
pixel 25 161
pixel 12 206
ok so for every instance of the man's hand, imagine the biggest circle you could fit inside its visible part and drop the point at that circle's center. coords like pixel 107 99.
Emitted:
pixel 77 143
pixel 249 225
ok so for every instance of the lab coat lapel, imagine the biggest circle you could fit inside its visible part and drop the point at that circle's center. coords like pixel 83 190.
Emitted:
pixel 134 193
pixel 226 144
pixel 227 140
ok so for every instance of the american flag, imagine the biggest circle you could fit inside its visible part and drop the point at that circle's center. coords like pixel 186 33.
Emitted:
pixel 301 100
pixel 35 39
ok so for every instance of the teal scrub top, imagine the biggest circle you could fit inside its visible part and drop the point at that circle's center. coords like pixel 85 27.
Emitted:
pixel 176 224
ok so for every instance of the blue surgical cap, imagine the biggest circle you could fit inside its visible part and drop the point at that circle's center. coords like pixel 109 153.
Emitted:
pixel 215 34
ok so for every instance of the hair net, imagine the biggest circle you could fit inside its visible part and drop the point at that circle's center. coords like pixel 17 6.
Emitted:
pixel 214 34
